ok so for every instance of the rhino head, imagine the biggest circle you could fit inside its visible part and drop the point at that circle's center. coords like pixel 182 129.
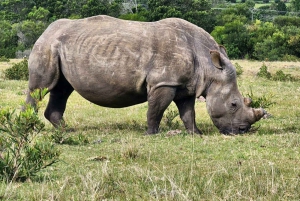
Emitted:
pixel 229 110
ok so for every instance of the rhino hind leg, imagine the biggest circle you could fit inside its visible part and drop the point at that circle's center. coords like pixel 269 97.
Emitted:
pixel 158 101
pixel 186 109
pixel 57 102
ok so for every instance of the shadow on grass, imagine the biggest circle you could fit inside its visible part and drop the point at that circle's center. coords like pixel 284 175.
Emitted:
pixel 138 127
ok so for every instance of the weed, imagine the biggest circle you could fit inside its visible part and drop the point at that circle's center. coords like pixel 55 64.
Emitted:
pixel 264 101
pixel 169 116
pixel 263 72
pixel 280 76
pixel 239 69
pixel 61 136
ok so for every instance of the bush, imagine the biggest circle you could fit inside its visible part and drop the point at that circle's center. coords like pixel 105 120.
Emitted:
pixel 264 101
pixel 239 69
pixel 60 136
pixel 169 116
pixel 4 59
pixel 280 76
pixel 282 21
pixel 288 57
pixel 263 72
pixel 23 154
pixel 18 71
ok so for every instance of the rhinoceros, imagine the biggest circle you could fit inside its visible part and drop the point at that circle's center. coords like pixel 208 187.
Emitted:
pixel 117 63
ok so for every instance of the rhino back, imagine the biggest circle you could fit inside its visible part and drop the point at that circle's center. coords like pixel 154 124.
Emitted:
pixel 114 62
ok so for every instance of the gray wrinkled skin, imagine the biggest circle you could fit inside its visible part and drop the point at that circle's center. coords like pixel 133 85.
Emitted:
pixel 116 63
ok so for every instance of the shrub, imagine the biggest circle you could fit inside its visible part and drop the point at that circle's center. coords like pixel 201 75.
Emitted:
pixel 18 71
pixel 264 101
pixel 4 59
pixel 23 153
pixel 263 72
pixel 239 69
pixel 169 116
pixel 288 57
pixel 282 21
pixel 60 136
pixel 280 76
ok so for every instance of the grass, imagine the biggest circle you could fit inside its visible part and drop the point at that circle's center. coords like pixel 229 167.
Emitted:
pixel 120 163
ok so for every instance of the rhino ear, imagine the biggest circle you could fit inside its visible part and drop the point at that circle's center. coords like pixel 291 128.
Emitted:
pixel 223 50
pixel 216 60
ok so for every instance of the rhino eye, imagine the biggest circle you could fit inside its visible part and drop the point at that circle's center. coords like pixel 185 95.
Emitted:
pixel 233 104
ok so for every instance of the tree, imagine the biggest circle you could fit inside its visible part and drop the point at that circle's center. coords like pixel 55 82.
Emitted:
pixel 97 7
pixel 236 12
pixel 15 10
pixel 196 11
pixel 28 32
pixel 281 7
pixel 295 5
pixel 235 37
pixel 40 14
pixel 8 40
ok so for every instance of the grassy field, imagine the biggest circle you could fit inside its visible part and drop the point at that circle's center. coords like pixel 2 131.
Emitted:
pixel 120 163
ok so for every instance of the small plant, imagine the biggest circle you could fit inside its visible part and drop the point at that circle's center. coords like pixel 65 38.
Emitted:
pixel 4 59
pixel 169 116
pixel 280 76
pixel 263 72
pixel 239 69
pixel 60 136
pixel 18 71
pixel 23 153
pixel 264 101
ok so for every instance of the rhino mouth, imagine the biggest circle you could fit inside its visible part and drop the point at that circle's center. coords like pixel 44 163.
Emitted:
pixel 237 130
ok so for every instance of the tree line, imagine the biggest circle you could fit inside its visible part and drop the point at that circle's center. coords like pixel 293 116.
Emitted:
pixel 245 33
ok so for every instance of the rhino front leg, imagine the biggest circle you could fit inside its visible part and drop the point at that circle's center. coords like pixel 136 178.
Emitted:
pixel 186 109
pixel 158 101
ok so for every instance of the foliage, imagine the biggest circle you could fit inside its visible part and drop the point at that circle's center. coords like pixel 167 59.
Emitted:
pixel 295 5
pixel 234 37
pixel 23 153
pixel 18 71
pixel 264 101
pixel 61 136
pixel 169 117
pixel 239 69
pixel 4 59
pixel 246 32
pixel 263 72
pixel 96 7
pixel 281 76
pixel 8 39
pixel 195 11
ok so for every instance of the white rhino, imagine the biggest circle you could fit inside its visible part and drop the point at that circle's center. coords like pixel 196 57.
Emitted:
pixel 117 63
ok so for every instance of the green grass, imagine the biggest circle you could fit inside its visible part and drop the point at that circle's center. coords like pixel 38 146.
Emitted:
pixel 120 163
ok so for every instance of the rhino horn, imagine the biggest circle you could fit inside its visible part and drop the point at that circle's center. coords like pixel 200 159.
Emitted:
pixel 247 101
pixel 216 60
pixel 259 113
